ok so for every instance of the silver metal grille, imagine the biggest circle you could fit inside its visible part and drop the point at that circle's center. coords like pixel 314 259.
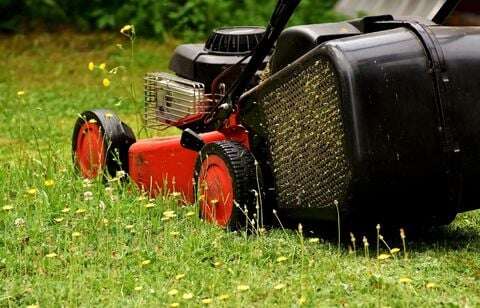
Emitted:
pixel 306 138
pixel 170 99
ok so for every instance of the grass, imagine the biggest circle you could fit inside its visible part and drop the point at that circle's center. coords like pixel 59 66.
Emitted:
pixel 61 247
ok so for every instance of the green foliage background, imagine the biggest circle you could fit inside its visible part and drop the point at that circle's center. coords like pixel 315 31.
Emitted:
pixel 186 19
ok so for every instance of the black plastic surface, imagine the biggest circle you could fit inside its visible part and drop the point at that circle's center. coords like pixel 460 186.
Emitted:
pixel 394 131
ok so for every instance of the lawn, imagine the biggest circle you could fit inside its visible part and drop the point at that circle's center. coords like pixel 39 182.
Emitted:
pixel 67 242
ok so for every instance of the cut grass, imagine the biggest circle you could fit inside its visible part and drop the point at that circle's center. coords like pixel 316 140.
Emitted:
pixel 114 251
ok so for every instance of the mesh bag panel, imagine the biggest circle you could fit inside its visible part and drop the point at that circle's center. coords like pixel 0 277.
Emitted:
pixel 306 138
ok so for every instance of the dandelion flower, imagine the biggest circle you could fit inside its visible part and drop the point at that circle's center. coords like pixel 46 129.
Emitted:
pixel 7 208
pixel 91 66
pixel 189 214
pixel 431 285
pixel 102 66
pixel 106 82
pixel 179 276
pixel 76 234
pixel 207 301
pixel 404 280
pixel 127 30
pixel 169 213
pixel 243 287
pixel 383 256
pixel 65 210
pixel 172 292
pixel 146 262
pixel 281 259
pixel 32 191
pixel 87 196
pixel 58 219
pixel 51 255
pixel 139 288
pixel 314 240
pixel 174 304
pixel 80 211
pixel 302 300
pixel 187 296
pixel 20 93
pixel 224 297
pixel 279 286
pixel 49 183
pixel 19 222
pixel 149 205
pixel 394 251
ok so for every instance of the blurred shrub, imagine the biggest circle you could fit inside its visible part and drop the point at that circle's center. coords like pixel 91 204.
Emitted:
pixel 187 19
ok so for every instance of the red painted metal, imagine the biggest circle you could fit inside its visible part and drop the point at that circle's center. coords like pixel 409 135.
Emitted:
pixel 162 165
pixel 90 150
pixel 216 191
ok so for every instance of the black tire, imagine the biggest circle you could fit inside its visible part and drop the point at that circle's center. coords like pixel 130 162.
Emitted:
pixel 117 139
pixel 245 176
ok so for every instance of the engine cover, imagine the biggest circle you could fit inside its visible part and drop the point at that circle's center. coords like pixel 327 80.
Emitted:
pixel 225 47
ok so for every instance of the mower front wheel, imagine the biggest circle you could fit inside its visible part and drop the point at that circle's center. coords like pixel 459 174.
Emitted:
pixel 227 181
pixel 100 144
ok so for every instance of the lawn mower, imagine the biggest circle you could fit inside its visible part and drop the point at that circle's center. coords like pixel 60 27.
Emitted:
pixel 373 120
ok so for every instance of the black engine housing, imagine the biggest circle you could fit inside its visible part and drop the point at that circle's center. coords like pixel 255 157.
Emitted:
pixel 224 48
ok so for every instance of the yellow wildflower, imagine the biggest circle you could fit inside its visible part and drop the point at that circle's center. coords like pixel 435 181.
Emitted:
pixel 127 30
pixel 302 300
pixel 49 183
pixel 404 280
pixel 149 205
pixel 282 259
pixel 314 240
pixel 394 251
pixel 7 208
pixel 224 297
pixel 91 66
pixel 76 234
pixel 169 214
pixel 187 296
pixel 51 255
pixel 207 301
pixel 172 292
pixel 139 288
pixel 106 82
pixel 33 306
pixel 32 191
pixel 174 304
pixel 146 262
pixel 80 211
pixel 21 93
pixel 129 227
pixel 179 276
pixel 279 286
pixel 102 66
pixel 431 285
pixel 58 219
pixel 383 256
pixel 190 214
pixel 243 287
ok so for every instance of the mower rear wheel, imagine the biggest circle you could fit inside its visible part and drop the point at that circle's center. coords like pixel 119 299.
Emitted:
pixel 227 186
pixel 100 144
